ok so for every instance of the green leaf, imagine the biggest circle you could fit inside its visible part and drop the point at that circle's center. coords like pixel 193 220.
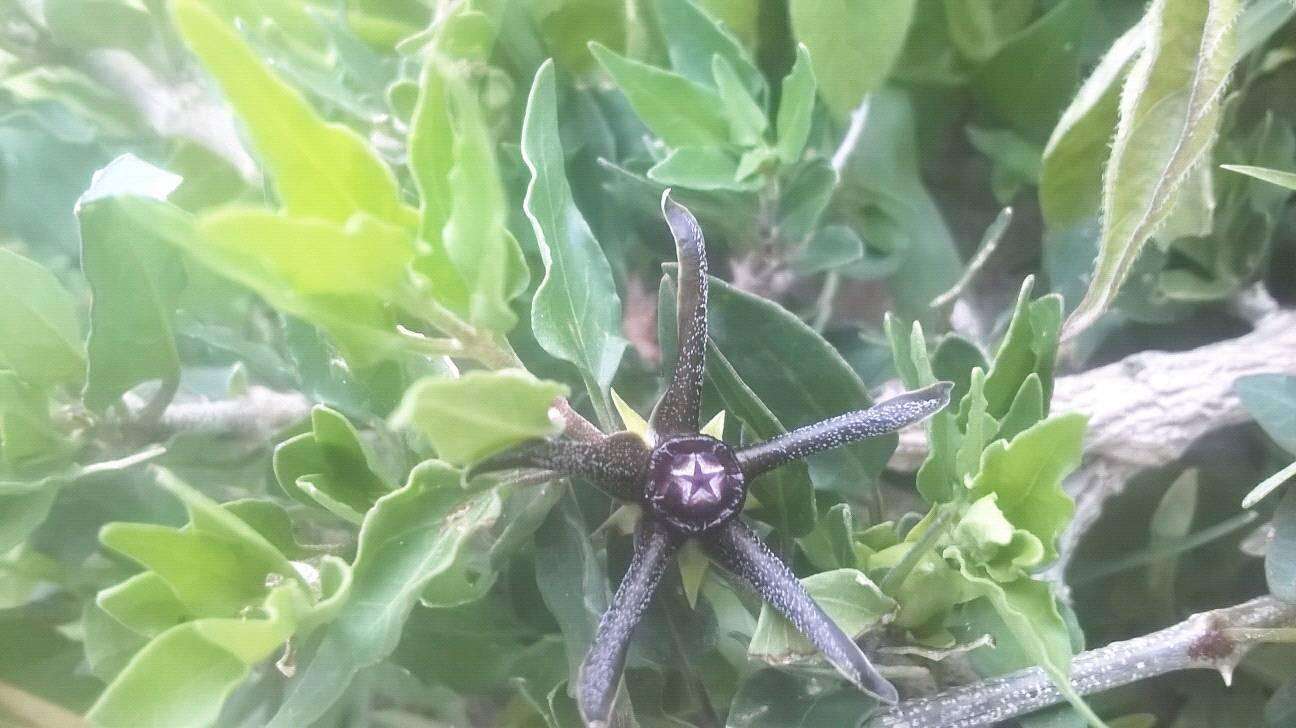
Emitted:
pixel 847 595
pixel 463 207
pixel 320 170
pixel 1171 522
pixel 1273 176
pixel 1280 559
pixel 786 495
pixel 680 111
pixel 979 28
pixel 88 24
pixel 699 168
pixel 335 276
pixel 883 193
pixel 1029 347
pixel 1169 114
pixel 183 677
pixel 1029 611
pixel 831 545
pixel 1269 485
pixel 830 248
pixel 216 566
pixel 23 507
pixel 777 356
pixel 1071 173
pixel 480 413
pixel 694 38
pixel 1271 400
pixel 747 122
pixel 410 536
pixel 134 276
pixel 1017 85
pixel 852 44
pixel 937 476
pixel 364 256
pixel 144 603
pixel 576 315
pixel 979 430
pixel 572 582
pixel 28 435
pixel 796 107
pixel 329 465
pixel 772 698
pixel 40 338
pixel 1027 474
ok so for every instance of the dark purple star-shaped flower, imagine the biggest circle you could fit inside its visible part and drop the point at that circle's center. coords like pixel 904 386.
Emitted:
pixel 694 486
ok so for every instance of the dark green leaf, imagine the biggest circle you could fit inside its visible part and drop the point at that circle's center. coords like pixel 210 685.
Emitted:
pixel 576 315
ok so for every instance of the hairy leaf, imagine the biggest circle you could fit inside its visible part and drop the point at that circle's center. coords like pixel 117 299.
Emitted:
pixel 1169 114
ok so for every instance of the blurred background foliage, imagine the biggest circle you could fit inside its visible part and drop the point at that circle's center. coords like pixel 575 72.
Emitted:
pixel 278 167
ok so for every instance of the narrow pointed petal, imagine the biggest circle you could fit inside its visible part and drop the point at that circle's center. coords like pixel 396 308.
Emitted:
pixel 616 464
pixel 600 673
pixel 678 411
pixel 739 550
pixel 886 416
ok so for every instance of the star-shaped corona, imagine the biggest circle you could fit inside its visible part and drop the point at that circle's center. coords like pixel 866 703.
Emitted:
pixel 693 486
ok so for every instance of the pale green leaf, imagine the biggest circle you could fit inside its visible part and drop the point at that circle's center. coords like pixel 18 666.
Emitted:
pixel 1169 114
pixel 259 248
pixel 134 276
pixel 216 566
pixel 320 169
pixel 1273 176
pixel 850 599
pixel 1027 474
pixel 183 677
pixel 699 168
pixel 40 338
pixel 481 412
pixel 1028 609
pixel 852 44
pixel 1071 173
pixel 410 536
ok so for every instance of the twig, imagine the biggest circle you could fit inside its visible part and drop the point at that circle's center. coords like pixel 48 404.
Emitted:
pixel 1215 640
pixel 257 414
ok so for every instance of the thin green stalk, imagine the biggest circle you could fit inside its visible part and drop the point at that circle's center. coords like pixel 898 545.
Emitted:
pixel 1166 550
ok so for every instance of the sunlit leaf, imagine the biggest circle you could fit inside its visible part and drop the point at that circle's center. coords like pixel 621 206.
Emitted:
pixel 481 412
pixel 320 169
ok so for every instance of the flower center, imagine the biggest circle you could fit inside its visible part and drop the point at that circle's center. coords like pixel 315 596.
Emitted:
pixel 694 483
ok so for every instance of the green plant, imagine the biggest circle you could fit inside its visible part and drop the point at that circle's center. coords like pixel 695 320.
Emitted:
pixel 311 350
